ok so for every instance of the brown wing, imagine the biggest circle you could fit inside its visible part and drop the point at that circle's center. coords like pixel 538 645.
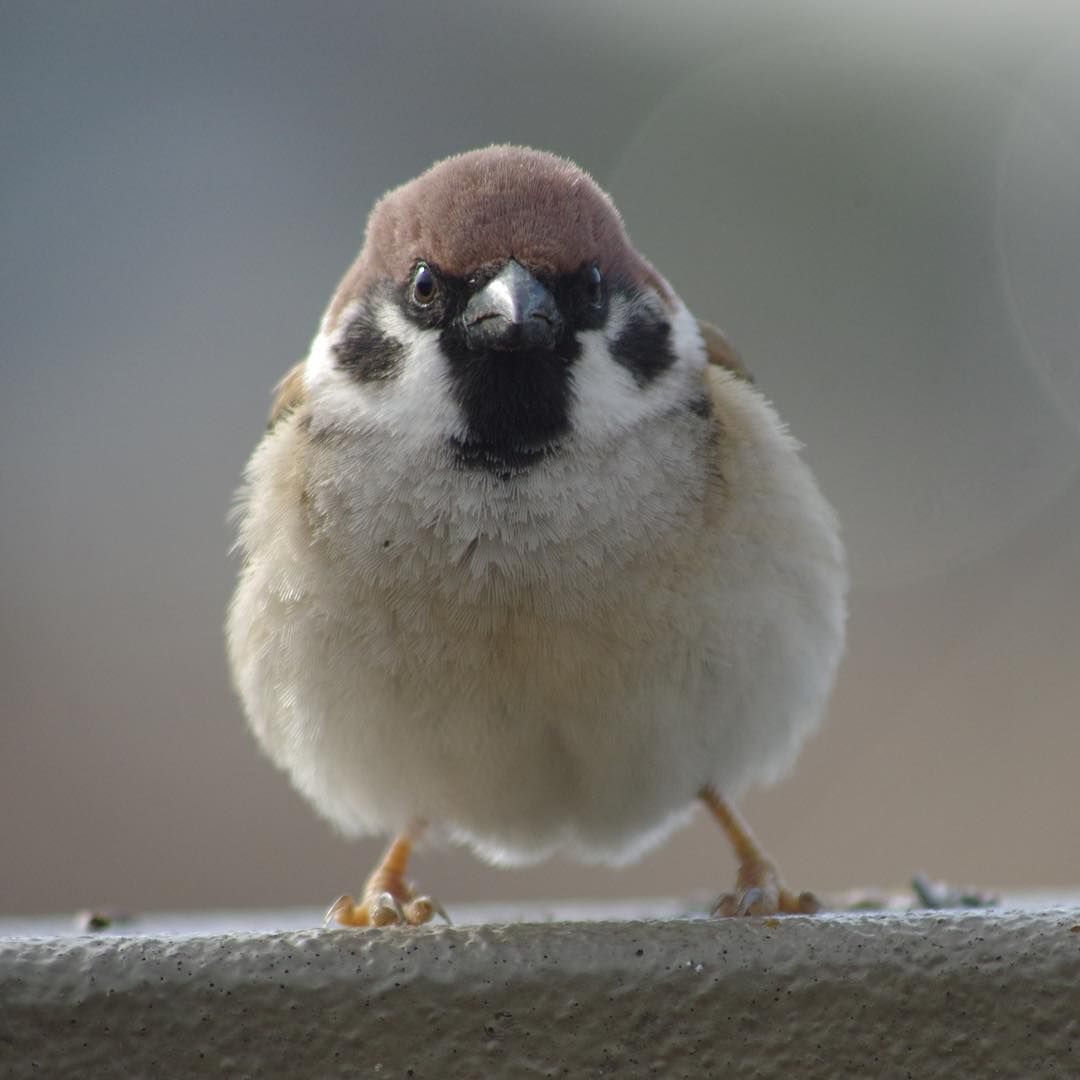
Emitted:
pixel 721 352
pixel 288 394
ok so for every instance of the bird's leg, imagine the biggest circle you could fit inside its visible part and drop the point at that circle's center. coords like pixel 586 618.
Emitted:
pixel 759 889
pixel 387 899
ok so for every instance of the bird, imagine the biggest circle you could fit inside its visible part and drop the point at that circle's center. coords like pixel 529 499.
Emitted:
pixel 530 564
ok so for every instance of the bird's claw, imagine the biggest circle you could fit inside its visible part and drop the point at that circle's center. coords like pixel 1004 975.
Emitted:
pixel 384 908
pixel 750 901
pixel 761 892
pixel 423 909
pixel 341 906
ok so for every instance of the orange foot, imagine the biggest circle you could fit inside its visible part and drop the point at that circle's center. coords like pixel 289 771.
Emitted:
pixel 759 889
pixel 387 900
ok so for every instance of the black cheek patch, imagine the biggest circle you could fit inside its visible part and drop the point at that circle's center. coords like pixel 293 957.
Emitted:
pixel 367 353
pixel 643 346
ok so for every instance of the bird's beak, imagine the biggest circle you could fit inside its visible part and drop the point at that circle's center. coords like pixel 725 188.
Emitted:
pixel 512 311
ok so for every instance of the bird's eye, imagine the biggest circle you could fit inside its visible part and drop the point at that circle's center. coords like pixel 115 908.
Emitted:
pixel 594 285
pixel 425 287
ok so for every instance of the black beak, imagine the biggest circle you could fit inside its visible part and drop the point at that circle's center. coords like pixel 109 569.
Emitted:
pixel 512 311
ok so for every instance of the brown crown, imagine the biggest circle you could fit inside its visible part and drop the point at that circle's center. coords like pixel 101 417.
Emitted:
pixel 487 206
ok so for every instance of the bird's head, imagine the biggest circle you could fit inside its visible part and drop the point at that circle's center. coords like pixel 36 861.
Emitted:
pixel 498 311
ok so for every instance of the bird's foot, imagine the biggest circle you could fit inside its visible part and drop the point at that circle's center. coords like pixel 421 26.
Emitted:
pixel 387 900
pixel 385 907
pixel 759 890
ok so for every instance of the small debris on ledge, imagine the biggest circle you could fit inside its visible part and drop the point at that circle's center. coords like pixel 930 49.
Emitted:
pixel 89 922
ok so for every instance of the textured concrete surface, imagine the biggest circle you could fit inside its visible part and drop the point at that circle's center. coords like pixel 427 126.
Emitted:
pixel 883 995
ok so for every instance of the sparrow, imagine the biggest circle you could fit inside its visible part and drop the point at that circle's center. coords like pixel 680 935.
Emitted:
pixel 529 562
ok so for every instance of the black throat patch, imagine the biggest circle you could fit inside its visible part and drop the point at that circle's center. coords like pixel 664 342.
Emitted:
pixel 516 405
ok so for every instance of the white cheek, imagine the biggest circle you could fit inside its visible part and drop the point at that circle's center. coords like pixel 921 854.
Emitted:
pixel 319 367
pixel 607 400
pixel 417 402
pixel 414 405
pixel 686 339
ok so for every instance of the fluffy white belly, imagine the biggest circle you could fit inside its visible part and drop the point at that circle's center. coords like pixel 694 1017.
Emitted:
pixel 525 732
pixel 519 738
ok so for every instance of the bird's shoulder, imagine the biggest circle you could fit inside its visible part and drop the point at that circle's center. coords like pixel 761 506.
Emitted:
pixel 720 350
pixel 289 394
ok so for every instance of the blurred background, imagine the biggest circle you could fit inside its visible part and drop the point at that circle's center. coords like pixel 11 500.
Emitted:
pixel 880 206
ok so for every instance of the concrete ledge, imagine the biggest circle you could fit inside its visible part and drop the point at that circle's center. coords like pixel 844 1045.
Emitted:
pixel 882 995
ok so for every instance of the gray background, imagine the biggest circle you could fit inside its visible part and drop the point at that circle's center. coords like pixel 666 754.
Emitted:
pixel 882 209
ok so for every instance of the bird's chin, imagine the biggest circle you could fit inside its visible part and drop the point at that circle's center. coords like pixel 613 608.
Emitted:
pixel 502 459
